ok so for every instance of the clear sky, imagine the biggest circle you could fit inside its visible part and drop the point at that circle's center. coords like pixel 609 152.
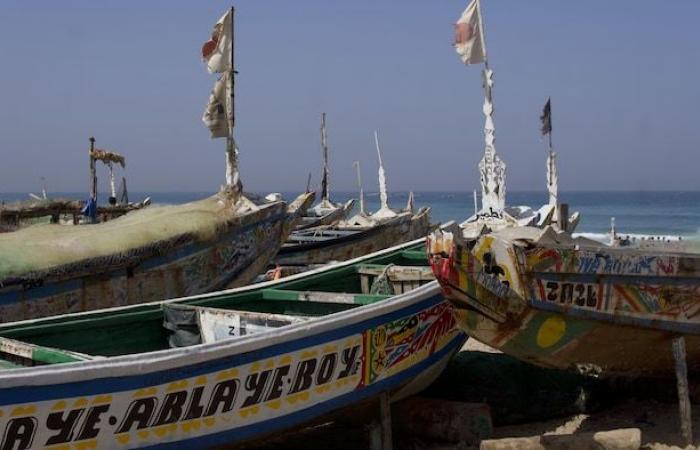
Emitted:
pixel 624 77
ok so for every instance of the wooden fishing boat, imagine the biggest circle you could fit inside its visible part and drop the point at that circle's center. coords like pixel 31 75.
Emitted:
pixel 565 302
pixel 325 212
pixel 222 368
pixel 361 234
pixel 352 238
pixel 42 209
pixel 156 253
pixel 152 254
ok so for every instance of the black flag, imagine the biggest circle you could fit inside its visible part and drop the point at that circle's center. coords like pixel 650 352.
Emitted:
pixel 546 118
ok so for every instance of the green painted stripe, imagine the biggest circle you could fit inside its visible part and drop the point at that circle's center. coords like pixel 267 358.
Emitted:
pixel 8 365
pixel 285 295
pixel 415 255
pixel 50 356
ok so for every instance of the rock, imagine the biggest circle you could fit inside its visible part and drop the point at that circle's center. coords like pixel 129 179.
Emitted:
pixel 622 439
pixel 442 420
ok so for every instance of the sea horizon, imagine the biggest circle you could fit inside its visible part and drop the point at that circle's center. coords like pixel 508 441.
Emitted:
pixel 662 212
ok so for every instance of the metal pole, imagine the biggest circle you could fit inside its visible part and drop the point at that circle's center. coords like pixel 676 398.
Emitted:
pixel 678 347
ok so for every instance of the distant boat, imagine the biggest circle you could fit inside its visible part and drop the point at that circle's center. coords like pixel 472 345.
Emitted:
pixel 325 212
pixel 230 367
pixel 155 253
pixel 43 209
pixel 359 235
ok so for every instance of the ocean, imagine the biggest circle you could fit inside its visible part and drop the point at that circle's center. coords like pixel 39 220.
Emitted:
pixel 671 213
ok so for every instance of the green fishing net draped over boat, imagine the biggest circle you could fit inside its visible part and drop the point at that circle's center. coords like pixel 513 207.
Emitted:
pixel 43 247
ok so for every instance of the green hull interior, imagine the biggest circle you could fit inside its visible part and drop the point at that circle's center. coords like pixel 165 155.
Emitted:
pixel 140 329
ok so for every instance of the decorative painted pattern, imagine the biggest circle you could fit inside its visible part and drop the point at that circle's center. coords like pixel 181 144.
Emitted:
pixel 229 400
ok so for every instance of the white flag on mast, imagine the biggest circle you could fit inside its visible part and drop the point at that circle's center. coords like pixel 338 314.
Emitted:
pixel 215 117
pixel 217 50
pixel 469 35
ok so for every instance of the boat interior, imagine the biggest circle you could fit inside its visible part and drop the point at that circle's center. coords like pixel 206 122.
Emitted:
pixel 212 317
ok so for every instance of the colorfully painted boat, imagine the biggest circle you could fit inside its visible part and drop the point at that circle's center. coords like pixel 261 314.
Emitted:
pixel 233 366
pixel 156 253
pixel 147 255
pixel 572 303
pixel 532 290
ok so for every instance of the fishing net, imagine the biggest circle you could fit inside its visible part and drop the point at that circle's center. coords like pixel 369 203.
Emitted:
pixel 382 285
pixel 46 246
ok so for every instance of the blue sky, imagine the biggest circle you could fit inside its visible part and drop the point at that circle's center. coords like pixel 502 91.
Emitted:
pixel 623 77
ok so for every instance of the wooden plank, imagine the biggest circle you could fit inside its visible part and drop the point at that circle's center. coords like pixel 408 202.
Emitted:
pixel 398 273
pixel 38 353
pixel 678 347
pixel 321 297
pixel 385 420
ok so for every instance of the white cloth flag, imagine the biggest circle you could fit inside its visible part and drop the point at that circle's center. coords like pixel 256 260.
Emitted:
pixel 217 50
pixel 215 117
pixel 468 35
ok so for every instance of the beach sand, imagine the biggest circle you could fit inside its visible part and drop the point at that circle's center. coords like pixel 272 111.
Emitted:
pixel 658 422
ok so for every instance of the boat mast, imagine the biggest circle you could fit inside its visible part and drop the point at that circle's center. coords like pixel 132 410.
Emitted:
pixel 325 191
pixel 492 169
pixel 93 170
pixel 356 165
pixel 232 175
pixel 383 198
pixel 552 178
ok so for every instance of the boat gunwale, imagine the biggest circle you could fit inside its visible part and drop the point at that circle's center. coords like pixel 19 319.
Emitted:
pixel 139 255
pixel 359 234
pixel 139 364
pixel 171 359
pixel 223 292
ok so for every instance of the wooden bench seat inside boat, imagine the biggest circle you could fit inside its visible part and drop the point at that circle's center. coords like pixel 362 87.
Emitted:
pixel 190 325
pixel 401 278
pixel 322 297
pixel 15 354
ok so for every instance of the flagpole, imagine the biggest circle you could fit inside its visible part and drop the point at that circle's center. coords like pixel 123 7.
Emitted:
pixel 482 35
pixel 232 176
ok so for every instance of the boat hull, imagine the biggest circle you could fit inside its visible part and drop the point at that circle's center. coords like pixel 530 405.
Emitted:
pixel 603 311
pixel 238 389
pixel 332 218
pixel 382 236
pixel 233 258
